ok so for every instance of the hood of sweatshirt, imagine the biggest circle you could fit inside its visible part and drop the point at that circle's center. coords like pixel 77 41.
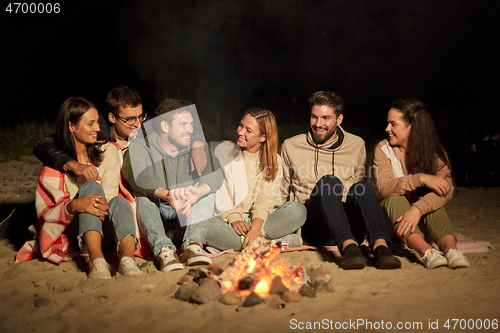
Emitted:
pixel 330 146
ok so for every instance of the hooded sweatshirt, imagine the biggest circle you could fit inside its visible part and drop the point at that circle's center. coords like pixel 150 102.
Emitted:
pixel 147 167
pixel 305 162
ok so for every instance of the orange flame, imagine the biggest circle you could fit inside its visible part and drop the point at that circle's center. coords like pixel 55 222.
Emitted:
pixel 251 265
pixel 291 277
pixel 262 288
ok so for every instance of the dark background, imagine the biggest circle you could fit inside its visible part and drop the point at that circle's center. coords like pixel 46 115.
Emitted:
pixel 228 56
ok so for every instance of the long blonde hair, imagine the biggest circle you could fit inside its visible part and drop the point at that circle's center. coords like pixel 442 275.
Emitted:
pixel 269 148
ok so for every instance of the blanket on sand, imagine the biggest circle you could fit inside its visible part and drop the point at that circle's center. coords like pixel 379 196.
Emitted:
pixel 464 245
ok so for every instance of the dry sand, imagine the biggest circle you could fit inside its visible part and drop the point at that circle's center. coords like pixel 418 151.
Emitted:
pixel 69 302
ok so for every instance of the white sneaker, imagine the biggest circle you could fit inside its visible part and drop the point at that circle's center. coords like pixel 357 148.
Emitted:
pixel 290 240
pixel 169 260
pixel 128 267
pixel 433 258
pixel 456 259
pixel 99 269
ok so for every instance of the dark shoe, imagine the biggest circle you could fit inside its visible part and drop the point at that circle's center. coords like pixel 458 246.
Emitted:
pixel 193 255
pixel 385 258
pixel 352 258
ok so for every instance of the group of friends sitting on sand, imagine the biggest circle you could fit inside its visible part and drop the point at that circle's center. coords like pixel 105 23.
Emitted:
pixel 107 184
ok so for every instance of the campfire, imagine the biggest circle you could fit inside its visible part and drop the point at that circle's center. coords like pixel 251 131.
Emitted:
pixel 255 268
pixel 254 276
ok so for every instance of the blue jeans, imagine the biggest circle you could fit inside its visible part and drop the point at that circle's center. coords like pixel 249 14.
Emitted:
pixel 160 222
pixel 332 222
pixel 120 215
pixel 285 220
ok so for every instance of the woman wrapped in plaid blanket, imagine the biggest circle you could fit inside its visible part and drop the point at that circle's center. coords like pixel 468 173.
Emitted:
pixel 66 202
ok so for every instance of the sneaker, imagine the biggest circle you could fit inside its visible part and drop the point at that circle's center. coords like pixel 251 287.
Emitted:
pixel 352 258
pixel 290 240
pixel 385 258
pixel 456 259
pixel 128 267
pixel 433 258
pixel 193 255
pixel 169 260
pixel 99 269
pixel 212 250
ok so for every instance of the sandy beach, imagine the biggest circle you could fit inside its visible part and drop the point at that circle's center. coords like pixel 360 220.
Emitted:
pixel 38 296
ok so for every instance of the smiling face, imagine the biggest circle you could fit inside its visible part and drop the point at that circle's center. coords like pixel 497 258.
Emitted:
pixel 250 137
pixel 121 126
pixel 324 123
pixel 179 132
pixel 85 131
pixel 398 130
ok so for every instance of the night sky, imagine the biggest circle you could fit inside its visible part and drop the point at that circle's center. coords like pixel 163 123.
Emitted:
pixel 229 56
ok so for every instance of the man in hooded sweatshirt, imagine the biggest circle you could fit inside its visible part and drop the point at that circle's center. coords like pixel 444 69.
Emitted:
pixel 170 195
pixel 325 170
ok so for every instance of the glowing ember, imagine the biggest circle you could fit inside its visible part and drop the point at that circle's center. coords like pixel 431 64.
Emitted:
pixel 251 265
pixel 256 266
pixel 262 288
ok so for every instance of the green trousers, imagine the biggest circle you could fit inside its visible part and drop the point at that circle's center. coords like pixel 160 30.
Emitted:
pixel 432 226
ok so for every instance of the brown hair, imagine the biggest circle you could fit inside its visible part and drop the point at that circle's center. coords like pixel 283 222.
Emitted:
pixel 423 143
pixel 329 98
pixel 168 105
pixel 71 111
pixel 122 96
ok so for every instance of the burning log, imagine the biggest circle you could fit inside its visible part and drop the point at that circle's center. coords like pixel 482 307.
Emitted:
pixel 249 277
pixel 254 269
pixel 243 262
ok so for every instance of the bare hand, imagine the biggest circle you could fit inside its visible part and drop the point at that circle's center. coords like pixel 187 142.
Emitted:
pixel 241 227
pixel 251 235
pixel 92 204
pixel 181 200
pixel 185 197
pixel 437 184
pixel 408 221
pixel 198 157
pixel 90 172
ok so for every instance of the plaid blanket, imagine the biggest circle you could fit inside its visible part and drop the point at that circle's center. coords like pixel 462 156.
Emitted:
pixel 49 240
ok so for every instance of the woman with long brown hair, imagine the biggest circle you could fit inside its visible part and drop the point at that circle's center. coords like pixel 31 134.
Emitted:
pixel 67 204
pixel 250 202
pixel 414 176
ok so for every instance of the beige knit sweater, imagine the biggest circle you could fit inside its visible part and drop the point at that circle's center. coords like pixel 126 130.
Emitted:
pixel 305 163
pixel 109 170
pixel 244 189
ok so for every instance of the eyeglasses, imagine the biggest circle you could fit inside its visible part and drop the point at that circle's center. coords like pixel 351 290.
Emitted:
pixel 131 120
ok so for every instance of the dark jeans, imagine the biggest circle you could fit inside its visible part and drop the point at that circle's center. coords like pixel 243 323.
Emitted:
pixel 332 222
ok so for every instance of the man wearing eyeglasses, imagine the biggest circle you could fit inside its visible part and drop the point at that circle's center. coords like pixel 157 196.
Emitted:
pixel 125 115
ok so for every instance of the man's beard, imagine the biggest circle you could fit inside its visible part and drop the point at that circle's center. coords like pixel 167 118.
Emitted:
pixel 323 139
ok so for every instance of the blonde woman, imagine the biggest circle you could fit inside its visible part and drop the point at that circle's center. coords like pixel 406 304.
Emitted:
pixel 250 201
